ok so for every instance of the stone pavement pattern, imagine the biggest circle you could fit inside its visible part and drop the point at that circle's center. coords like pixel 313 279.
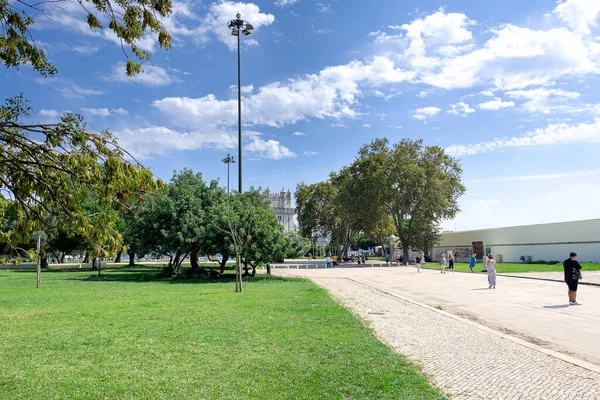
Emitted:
pixel 532 310
pixel 464 361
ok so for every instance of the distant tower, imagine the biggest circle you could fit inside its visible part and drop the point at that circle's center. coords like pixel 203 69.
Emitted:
pixel 281 204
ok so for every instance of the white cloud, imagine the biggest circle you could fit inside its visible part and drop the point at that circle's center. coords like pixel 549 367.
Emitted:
pixel 158 140
pixel 579 15
pixel 245 89
pixel 310 153
pixel 424 93
pixel 86 49
pixel 496 104
pixel 298 133
pixel 222 12
pixel 488 93
pixel 285 3
pixel 540 99
pixel 270 149
pixel 98 112
pixel 323 8
pixel 366 125
pixel 552 134
pixel 461 108
pixel 152 75
pixel 68 89
pixel 119 111
pixel 332 93
pixel 182 23
pixel 426 112
pixel 48 113
pixel 104 112
pixel 440 50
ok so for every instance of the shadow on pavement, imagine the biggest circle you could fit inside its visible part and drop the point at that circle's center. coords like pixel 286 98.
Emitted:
pixel 558 306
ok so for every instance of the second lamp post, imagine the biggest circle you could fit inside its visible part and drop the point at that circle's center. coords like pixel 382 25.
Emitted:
pixel 238 26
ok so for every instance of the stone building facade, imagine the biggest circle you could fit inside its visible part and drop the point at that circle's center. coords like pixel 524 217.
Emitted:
pixel 281 204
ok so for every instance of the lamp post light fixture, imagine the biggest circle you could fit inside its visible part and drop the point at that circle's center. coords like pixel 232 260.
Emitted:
pixel 228 160
pixel 236 25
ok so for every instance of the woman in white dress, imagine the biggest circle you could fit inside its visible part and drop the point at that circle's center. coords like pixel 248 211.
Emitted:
pixel 443 264
pixel 491 270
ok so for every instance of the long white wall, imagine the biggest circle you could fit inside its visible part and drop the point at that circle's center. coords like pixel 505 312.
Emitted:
pixel 542 242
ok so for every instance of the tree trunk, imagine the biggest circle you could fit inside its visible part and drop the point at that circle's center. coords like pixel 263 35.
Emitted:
pixel 246 273
pixel 222 264
pixel 44 257
pixel 118 258
pixel 254 269
pixel 86 258
pixel 131 255
pixel 405 254
pixel 194 259
pixel 62 258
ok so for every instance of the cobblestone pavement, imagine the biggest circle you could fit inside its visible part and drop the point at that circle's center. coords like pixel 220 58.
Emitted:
pixel 533 310
pixel 464 359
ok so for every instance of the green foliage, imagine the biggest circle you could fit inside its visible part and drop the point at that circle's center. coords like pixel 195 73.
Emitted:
pixel 64 173
pixel 323 211
pixel 128 20
pixel 145 338
pixel 416 186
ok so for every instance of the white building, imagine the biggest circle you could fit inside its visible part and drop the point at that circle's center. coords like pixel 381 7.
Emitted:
pixel 281 204
pixel 547 242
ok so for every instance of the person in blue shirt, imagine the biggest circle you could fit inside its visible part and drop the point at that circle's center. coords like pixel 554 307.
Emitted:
pixel 473 262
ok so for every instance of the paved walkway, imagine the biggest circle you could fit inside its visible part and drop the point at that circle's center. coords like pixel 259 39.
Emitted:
pixel 514 356
pixel 588 276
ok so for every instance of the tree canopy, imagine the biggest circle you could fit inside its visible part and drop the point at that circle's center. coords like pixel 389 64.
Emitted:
pixel 406 189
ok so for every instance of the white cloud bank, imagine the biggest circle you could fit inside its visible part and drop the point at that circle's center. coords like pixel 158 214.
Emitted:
pixel 331 93
pixel 552 134
pixel 159 140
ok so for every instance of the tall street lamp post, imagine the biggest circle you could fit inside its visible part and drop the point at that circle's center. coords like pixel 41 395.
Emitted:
pixel 236 25
pixel 228 160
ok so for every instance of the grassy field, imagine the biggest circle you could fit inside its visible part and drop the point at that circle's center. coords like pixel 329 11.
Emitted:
pixel 132 335
pixel 507 268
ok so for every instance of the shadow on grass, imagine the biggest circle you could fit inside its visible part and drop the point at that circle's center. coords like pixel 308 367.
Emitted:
pixel 155 275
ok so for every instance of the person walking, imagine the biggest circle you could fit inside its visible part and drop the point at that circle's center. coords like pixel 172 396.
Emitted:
pixel 328 261
pixel 473 262
pixel 334 259
pixel 418 261
pixel 443 264
pixel 572 276
pixel 491 270
pixel 387 259
pixel 451 262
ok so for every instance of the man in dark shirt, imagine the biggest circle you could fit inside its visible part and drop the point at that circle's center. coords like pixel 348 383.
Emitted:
pixel 572 273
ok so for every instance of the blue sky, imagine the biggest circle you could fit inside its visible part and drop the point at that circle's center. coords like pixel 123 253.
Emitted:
pixel 511 88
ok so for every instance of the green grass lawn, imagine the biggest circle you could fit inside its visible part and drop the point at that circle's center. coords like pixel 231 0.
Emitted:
pixel 507 268
pixel 132 335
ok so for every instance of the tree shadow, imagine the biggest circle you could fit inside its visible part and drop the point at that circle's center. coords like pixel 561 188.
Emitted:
pixel 558 306
pixel 144 275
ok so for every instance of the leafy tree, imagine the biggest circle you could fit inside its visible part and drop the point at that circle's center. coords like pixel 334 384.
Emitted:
pixel 128 20
pixel 58 169
pixel 380 230
pixel 172 222
pixel 417 186
pixel 323 212
pixel 43 166
pixel 266 242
